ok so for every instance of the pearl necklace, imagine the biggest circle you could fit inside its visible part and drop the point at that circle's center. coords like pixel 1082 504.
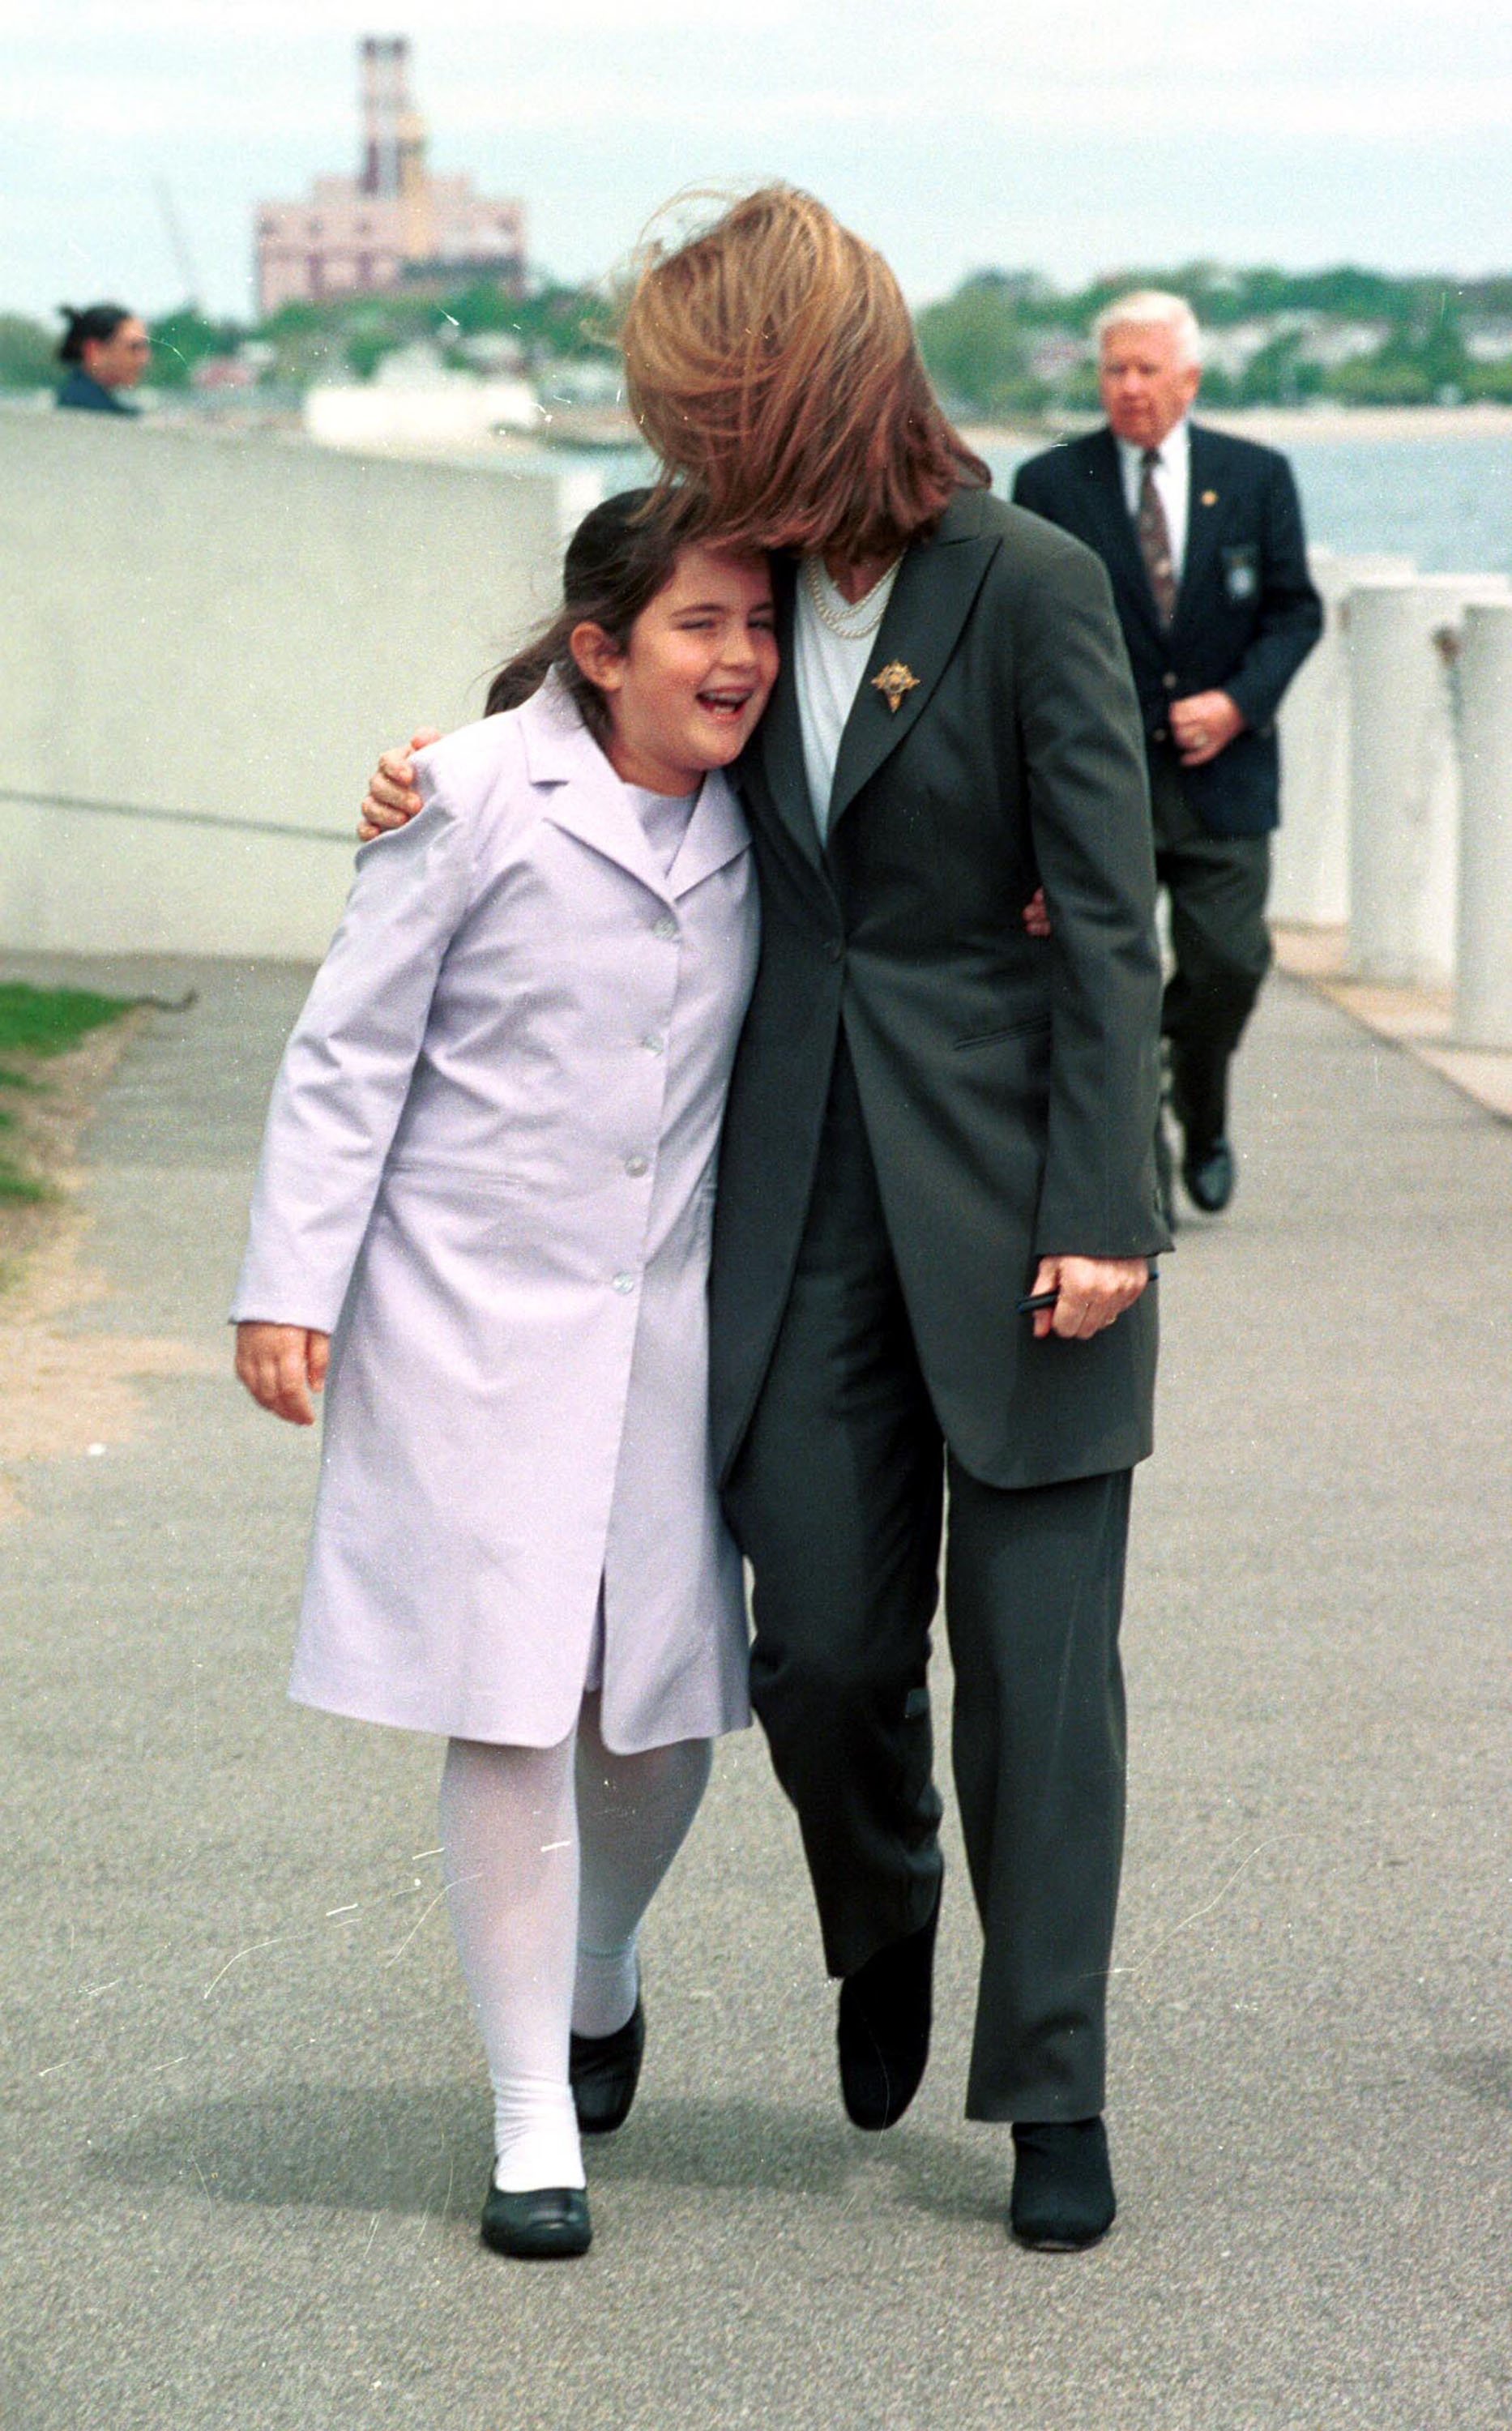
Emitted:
pixel 855 620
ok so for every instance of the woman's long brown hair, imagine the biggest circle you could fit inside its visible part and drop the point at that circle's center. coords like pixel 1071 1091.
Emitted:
pixel 771 364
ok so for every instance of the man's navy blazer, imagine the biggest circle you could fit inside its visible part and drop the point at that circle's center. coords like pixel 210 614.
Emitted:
pixel 1247 614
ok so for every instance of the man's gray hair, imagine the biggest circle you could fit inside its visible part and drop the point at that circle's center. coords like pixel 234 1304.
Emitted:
pixel 1147 305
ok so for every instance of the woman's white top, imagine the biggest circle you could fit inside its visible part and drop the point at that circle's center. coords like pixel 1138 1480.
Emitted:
pixel 828 661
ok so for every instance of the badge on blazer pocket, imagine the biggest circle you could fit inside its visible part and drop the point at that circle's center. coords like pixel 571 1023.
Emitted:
pixel 1241 572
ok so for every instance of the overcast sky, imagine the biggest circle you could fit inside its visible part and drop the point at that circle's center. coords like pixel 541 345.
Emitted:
pixel 1072 136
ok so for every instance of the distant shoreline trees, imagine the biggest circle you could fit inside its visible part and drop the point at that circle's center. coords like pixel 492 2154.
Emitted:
pixel 1007 343
pixel 1004 345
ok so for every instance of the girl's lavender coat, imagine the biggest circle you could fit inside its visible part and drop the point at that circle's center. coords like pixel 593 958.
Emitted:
pixel 488 1170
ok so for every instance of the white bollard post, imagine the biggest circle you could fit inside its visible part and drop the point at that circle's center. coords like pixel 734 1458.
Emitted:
pixel 1310 864
pixel 1390 686
pixel 1484 962
pixel 1403 639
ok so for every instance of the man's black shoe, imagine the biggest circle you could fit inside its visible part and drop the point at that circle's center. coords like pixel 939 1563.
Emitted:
pixel 1208 1173
pixel 1063 2196
pixel 882 2028
pixel 548 2224
pixel 604 2070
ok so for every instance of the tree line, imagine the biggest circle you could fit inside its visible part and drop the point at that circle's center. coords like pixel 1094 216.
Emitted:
pixel 1006 342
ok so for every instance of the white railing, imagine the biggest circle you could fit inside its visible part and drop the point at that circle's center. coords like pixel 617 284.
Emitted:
pixel 1397 784
pixel 206 639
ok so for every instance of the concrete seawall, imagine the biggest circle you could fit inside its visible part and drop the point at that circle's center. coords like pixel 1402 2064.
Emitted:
pixel 228 631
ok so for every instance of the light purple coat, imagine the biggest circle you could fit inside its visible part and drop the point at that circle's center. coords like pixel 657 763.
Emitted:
pixel 489 1171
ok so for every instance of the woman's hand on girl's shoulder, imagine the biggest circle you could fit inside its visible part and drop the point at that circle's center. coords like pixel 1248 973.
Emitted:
pixel 390 800
pixel 281 1367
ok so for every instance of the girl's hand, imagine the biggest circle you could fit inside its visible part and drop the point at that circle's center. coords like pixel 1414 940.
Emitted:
pixel 281 1366
pixel 390 799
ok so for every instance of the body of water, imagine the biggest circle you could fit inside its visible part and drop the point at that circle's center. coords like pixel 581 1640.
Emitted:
pixel 1445 502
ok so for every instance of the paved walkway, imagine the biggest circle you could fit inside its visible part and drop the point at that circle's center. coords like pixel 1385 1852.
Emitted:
pixel 247 2125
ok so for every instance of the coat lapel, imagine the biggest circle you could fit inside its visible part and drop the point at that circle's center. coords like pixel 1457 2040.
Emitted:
pixel 716 833
pixel 778 744
pixel 1202 526
pixel 931 598
pixel 1121 551
pixel 585 798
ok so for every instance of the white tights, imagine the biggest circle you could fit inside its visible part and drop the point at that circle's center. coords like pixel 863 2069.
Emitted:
pixel 552 1855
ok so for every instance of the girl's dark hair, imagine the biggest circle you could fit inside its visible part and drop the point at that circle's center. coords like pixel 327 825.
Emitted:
pixel 621 555
pixel 99 322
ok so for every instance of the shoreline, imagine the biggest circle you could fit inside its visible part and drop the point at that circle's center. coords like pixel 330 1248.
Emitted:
pixel 1282 426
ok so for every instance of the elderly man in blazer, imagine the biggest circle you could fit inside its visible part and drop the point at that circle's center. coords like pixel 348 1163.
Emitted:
pixel 1201 536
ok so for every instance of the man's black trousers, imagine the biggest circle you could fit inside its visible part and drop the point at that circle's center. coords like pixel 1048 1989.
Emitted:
pixel 836 1500
pixel 1220 947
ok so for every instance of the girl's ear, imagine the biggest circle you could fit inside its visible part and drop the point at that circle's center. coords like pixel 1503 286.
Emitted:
pixel 597 657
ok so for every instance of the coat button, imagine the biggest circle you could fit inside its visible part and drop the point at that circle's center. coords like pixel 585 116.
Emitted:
pixel 624 1283
pixel 636 1166
pixel 666 928
pixel 653 1041
pixel 1168 681
pixel 1161 735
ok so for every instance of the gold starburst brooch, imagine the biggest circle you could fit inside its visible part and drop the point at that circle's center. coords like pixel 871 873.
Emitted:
pixel 894 683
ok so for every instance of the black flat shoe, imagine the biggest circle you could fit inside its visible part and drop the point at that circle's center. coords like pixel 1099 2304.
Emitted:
pixel 1209 1174
pixel 547 2225
pixel 604 2070
pixel 1062 2197
pixel 882 2028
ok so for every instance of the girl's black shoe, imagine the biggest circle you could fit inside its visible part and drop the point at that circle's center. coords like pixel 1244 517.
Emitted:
pixel 604 2070
pixel 545 2224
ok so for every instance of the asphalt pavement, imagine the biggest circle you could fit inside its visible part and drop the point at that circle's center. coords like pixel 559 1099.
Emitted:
pixel 247 2128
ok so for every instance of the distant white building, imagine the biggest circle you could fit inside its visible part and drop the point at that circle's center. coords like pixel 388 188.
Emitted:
pixel 1335 343
pixel 393 225
pixel 415 401
pixel 1056 353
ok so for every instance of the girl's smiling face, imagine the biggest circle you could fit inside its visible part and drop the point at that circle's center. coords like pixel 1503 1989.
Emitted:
pixel 686 692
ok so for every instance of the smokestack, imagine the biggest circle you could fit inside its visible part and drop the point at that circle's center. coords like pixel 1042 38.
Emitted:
pixel 387 111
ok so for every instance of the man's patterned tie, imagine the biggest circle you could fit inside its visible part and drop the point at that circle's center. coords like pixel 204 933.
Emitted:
pixel 1155 539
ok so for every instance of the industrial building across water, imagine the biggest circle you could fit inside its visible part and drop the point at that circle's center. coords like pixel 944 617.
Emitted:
pixel 394 226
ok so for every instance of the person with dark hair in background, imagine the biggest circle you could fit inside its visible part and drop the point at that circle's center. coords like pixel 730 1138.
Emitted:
pixel 105 348
pixel 1201 535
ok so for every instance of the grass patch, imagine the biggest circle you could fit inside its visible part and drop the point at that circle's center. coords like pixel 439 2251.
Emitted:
pixel 48 1021
pixel 39 1022
pixel 18 1189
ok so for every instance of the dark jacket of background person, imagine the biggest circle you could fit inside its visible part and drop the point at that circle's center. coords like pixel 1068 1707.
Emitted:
pixel 90 396
pixel 1008 1084
pixel 1247 614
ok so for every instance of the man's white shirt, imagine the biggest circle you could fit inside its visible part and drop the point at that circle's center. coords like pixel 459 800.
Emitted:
pixel 1173 484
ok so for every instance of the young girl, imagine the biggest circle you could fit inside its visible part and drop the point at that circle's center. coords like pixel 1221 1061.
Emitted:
pixel 484 1204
